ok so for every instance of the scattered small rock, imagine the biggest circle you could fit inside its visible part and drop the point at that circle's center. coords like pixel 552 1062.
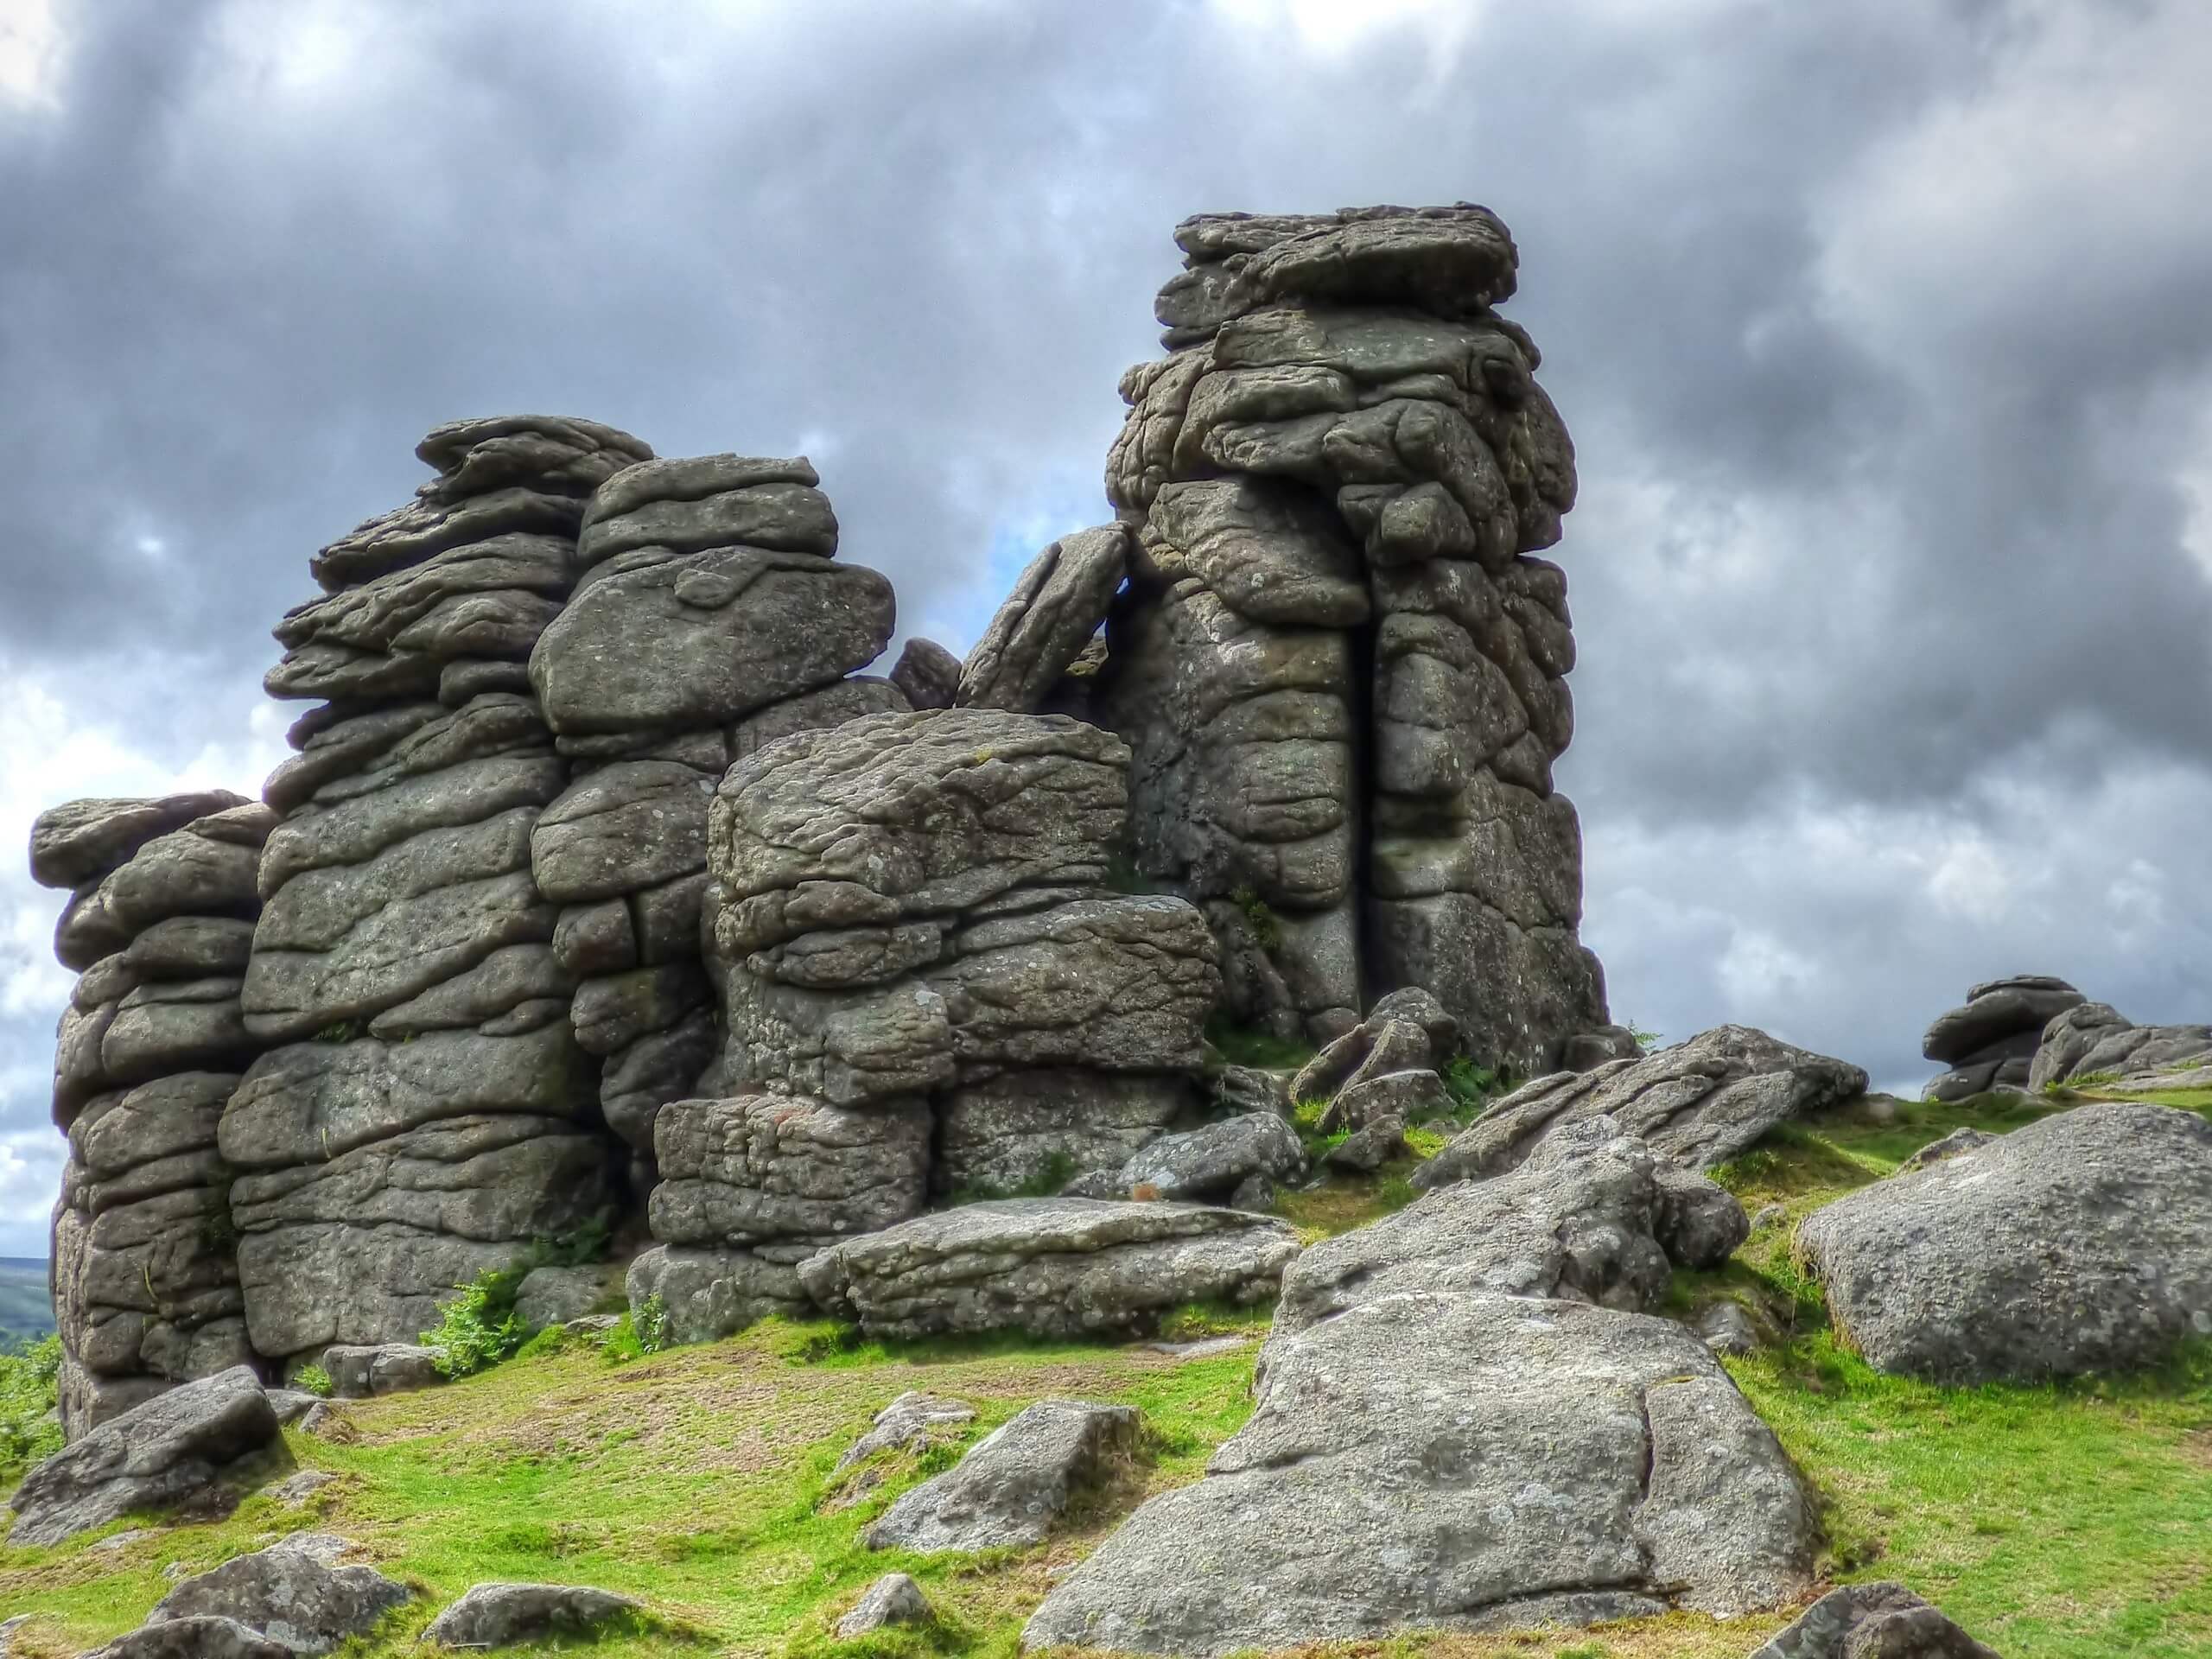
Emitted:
pixel 894 1599
pixel 1872 1621
pixel 501 1615
pixel 1012 1485
pixel 297 1489
pixel 1369 1148
pixel 912 1418
pixel 1238 1090
pixel 125 1539
pixel 1769 1215
pixel 1726 1329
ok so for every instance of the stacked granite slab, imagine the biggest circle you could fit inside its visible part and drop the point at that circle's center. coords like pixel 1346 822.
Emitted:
pixel 1339 664
pixel 710 617
pixel 928 985
pixel 1989 1042
pixel 159 924
pixel 425 1111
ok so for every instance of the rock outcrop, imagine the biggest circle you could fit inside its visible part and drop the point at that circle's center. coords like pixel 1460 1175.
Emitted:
pixel 1872 1621
pixel 1990 1042
pixel 428 1111
pixel 1338 661
pixel 1697 1105
pixel 1386 1065
pixel 503 1615
pixel 2082 1243
pixel 1591 1465
pixel 1013 1483
pixel 299 1592
pixel 160 923
pixel 2094 1041
pixel 710 617
pixel 1052 1266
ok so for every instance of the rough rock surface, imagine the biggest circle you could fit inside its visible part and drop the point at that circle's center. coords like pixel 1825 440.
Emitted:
pixel 2081 1243
pixel 707 1293
pixel 894 1599
pixel 1054 1266
pixel 429 1110
pixel 296 1592
pixel 1698 1104
pixel 911 1420
pixel 1013 1483
pixel 1386 1065
pixel 1872 1621
pixel 195 1639
pixel 1471 1462
pixel 1588 1216
pixel 2094 1041
pixel 502 1615
pixel 358 1370
pixel 148 1051
pixel 1057 603
pixel 1990 1042
pixel 1212 1161
pixel 1339 662
pixel 177 1447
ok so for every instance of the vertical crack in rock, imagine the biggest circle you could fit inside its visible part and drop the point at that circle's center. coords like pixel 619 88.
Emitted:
pixel 1339 664
pixel 425 1111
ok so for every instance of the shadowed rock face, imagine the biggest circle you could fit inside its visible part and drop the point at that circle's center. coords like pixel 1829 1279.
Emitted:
pixel 162 921
pixel 1990 1042
pixel 425 1110
pixel 1337 661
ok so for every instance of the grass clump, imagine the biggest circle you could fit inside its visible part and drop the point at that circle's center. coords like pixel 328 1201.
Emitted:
pixel 1266 930
pixel 1248 1046
pixel 29 1386
pixel 313 1379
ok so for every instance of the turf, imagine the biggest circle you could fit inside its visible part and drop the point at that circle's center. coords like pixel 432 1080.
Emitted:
pixel 2054 1522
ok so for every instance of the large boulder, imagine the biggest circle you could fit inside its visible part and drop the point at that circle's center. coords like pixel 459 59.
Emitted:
pixel 1470 1461
pixel 2082 1243
pixel 1215 1159
pixel 181 1445
pixel 1592 1215
pixel 1053 1267
pixel 1698 1104
pixel 296 1592
pixel 1990 1042
pixel 1013 1483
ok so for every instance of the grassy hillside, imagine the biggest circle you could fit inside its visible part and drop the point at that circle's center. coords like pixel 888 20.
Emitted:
pixel 26 1308
pixel 2063 1522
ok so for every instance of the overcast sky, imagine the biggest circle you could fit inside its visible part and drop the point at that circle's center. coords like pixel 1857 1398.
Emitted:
pixel 1884 333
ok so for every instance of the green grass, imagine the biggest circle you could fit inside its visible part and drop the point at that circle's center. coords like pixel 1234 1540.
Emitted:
pixel 2056 1522
pixel 1246 1046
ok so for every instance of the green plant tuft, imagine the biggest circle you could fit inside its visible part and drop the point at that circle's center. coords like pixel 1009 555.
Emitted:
pixel 1266 931
pixel 313 1379
pixel 478 1327
pixel 29 1385
pixel 340 1031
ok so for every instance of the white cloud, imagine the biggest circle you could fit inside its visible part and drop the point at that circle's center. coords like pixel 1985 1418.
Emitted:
pixel 30 53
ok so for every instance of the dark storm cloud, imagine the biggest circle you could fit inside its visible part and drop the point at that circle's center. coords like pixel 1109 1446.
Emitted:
pixel 1880 331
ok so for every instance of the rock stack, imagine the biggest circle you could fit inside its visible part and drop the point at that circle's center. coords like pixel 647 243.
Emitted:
pixel 1340 667
pixel 426 1112
pixel 928 984
pixel 710 618
pixel 159 924
pixel 1990 1043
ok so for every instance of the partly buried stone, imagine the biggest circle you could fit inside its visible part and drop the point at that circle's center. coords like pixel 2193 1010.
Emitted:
pixel 179 1446
pixel 2082 1243
pixel 1698 1104
pixel 1013 1483
pixel 1370 1146
pixel 709 1293
pixel 1588 1217
pixel 1472 1462
pixel 894 1599
pixel 1212 1161
pixel 913 1418
pixel 195 1639
pixel 2095 1040
pixel 1872 1621
pixel 1056 604
pixel 295 1592
pixel 358 1370
pixel 1054 1266
pixel 502 1615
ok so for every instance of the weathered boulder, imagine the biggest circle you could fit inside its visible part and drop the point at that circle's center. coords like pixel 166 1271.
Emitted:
pixel 1016 1131
pixel 706 1293
pixel 1055 1267
pixel 1990 1042
pixel 1337 484
pixel 1585 1216
pixel 359 1370
pixel 927 674
pixel 2082 1243
pixel 1872 1621
pixel 79 841
pixel 2092 1041
pixel 555 1295
pixel 1212 1161
pixel 912 1419
pixel 1370 1146
pixel 1591 1465
pixel 1965 1138
pixel 1056 604
pixel 894 1599
pixel 1013 1483
pixel 295 1593
pixel 195 1639
pixel 1697 1103
pixel 503 1615
pixel 180 1446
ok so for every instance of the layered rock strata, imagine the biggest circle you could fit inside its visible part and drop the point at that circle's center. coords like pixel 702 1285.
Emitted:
pixel 1990 1042
pixel 426 1111
pixel 1338 661
pixel 160 922
pixel 710 617
pixel 928 985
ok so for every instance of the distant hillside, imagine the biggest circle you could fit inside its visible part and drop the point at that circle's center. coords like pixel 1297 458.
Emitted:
pixel 26 1309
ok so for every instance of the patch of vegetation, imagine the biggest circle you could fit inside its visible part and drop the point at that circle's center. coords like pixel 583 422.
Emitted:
pixel 1472 1087
pixel 1058 1171
pixel 478 1327
pixel 341 1031
pixel 1247 1045
pixel 313 1379
pixel 1266 931
pixel 30 1380
pixel 1646 1040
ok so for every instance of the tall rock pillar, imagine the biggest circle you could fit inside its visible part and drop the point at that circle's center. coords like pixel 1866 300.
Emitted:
pixel 1338 663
